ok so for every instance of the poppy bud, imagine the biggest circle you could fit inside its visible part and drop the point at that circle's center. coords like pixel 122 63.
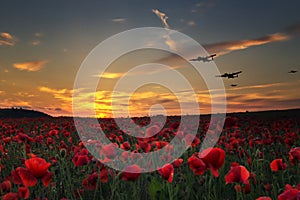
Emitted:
pixel 63 153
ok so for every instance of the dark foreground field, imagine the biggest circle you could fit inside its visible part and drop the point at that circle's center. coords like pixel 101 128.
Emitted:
pixel 256 157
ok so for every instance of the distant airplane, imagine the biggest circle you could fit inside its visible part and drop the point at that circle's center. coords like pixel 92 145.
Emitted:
pixel 230 75
pixel 292 71
pixel 205 58
pixel 233 85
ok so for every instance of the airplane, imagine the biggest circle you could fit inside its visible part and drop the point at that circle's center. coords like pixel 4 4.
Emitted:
pixel 230 75
pixel 205 58
pixel 233 85
pixel 292 71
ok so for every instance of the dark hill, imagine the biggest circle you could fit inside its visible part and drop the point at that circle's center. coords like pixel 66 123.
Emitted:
pixel 270 114
pixel 21 113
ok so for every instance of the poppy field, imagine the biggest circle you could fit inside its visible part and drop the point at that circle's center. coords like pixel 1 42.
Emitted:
pixel 256 157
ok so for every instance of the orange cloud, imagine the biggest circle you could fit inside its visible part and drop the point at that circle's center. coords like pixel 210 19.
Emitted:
pixel 110 75
pixel 30 66
pixel 163 17
pixel 6 39
pixel 264 97
pixel 10 102
pixel 227 47
pixel 64 94
pixel 138 72
pixel 6 36
pixel 62 100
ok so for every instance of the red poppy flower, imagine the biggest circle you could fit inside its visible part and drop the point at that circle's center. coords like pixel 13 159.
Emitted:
pixel 214 158
pixel 293 194
pixel 246 188
pixel 90 182
pixel 160 144
pixel 264 198
pixel 197 165
pixel 167 172
pixel 109 151
pixel 23 192
pixel 278 164
pixel 125 146
pixel 177 162
pixel 152 130
pixel 80 160
pixel 10 196
pixel 23 176
pixel 131 173
pixel 145 146
pixel 104 175
pixel 294 155
pixel 237 174
pixel 47 178
pixel 49 141
pixel 191 140
pixel 37 166
pixel 289 187
pixel 16 179
pixel 5 186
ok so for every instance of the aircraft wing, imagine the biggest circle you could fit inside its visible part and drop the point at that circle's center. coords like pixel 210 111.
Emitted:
pixel 235 73
pixel 221 75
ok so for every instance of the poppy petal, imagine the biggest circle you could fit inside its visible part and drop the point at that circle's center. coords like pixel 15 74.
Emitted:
pixel 47 178
pixel 27 178
pixel 23 192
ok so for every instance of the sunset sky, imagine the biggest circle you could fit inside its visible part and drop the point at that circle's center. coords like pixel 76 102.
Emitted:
pixel 43 43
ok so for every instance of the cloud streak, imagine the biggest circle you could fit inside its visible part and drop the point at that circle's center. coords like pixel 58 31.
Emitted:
pixel 222 48
pixel 6 39
pixel 30 66
pixel 163 17
pixel 138 72
pixel 119 20
pixel 226 47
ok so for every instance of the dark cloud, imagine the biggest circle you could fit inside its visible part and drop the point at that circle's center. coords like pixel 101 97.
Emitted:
pixel 165 101
pixel 222 48
pixel 293 30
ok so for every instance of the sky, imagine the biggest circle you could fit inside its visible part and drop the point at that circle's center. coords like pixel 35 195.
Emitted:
pixel 44 43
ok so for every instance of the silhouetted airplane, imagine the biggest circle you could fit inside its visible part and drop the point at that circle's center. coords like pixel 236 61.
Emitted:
pixel 292 71
pixel 233 85
pixel 230 75
pixel 205 58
